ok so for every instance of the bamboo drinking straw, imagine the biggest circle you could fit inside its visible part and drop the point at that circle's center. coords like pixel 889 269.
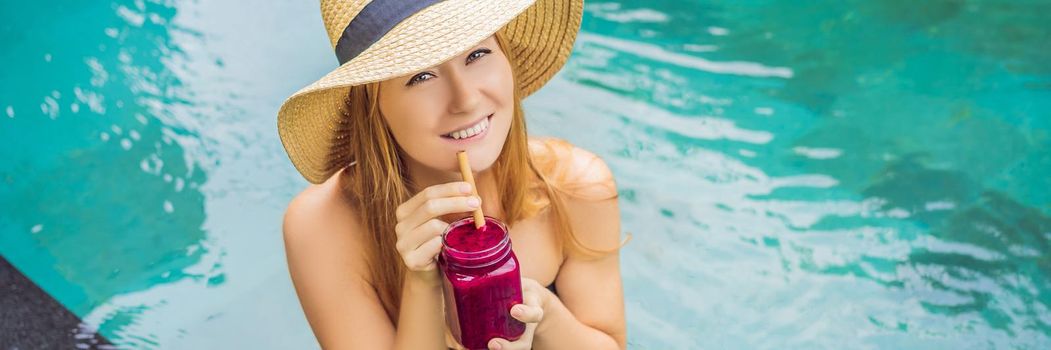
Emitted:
pixel 465 171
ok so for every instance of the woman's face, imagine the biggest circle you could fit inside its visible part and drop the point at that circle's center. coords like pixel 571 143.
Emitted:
pixel 464 104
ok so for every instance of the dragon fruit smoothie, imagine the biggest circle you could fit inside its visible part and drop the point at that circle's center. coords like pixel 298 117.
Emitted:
pixel 482 282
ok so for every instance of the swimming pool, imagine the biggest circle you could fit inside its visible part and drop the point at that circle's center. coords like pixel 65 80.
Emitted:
pixel 840 174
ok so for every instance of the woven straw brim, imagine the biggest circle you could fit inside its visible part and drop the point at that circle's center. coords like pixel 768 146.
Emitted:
pixel 540 38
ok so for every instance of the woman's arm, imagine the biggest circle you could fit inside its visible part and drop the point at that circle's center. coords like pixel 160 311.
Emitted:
pixel 327 268
pixel 421 322
pixel 588 313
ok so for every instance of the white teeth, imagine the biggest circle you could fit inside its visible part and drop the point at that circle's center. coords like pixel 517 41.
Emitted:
pixel 471 131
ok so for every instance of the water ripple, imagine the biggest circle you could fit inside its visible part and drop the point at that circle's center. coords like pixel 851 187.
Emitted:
pixel 656 53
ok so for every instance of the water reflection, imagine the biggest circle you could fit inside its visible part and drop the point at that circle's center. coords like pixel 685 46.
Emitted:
pixel 983 252
pixel 867 211
pixel 101 198
pixel 1009 286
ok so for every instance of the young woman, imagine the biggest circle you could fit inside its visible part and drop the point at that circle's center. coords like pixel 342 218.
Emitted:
pixel 378 139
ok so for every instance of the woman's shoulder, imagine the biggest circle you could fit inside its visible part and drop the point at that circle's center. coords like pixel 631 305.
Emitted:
pixel 321 201
pixel 572 169
pixel 320 218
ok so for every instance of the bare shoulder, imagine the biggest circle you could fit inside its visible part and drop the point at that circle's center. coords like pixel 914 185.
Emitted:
pixel 575 170
pixel 321 215
pixel 324 246
pixel 320 222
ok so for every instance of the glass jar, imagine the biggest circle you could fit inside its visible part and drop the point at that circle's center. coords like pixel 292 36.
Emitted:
pixel 482 282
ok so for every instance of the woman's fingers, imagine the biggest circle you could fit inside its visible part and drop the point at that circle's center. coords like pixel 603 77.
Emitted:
pixel 418 228
pixel 436 207
pixel 525 342
pixel 530 311
pixel 422 258
pixel 434 192
pixel 500 344
pixel 527 314
pixel 409 241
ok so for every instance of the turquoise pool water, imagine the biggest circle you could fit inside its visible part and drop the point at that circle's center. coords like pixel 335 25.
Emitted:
pixel 834 174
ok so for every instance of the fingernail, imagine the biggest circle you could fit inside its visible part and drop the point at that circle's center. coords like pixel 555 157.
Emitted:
pixel 516 312
pixel 465 188
pixel 496 346
pixel 473 202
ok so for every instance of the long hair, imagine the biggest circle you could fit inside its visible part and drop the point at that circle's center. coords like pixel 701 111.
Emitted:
pixel 376 183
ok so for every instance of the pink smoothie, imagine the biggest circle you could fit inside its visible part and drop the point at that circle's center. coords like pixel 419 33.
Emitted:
pixel 469 239
pixel 482 282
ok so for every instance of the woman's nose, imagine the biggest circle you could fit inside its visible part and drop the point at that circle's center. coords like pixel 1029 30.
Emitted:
pixel 465 95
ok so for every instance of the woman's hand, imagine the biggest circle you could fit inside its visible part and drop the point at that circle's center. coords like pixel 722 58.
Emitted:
pixel 534 296
pixel 420 231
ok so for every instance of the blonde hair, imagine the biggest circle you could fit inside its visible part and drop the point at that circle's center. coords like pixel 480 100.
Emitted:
pixel 377 184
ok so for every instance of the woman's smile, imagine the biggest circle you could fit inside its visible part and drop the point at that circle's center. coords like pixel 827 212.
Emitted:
pixel 470 134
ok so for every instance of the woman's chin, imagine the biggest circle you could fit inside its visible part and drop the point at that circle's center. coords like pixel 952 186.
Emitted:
pixel 480 161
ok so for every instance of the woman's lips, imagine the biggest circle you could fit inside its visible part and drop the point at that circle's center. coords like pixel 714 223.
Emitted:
pixel 471 139
pixel 469 125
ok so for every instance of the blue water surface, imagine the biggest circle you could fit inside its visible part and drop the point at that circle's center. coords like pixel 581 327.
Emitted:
pixel 824 174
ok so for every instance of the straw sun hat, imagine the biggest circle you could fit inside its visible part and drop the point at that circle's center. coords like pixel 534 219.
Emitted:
pixel 382 39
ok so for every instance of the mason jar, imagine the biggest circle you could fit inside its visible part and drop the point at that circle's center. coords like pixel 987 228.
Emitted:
pixel 481 282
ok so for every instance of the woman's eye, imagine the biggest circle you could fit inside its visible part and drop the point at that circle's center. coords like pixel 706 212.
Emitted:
pixel 418 78
pixel 477 54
